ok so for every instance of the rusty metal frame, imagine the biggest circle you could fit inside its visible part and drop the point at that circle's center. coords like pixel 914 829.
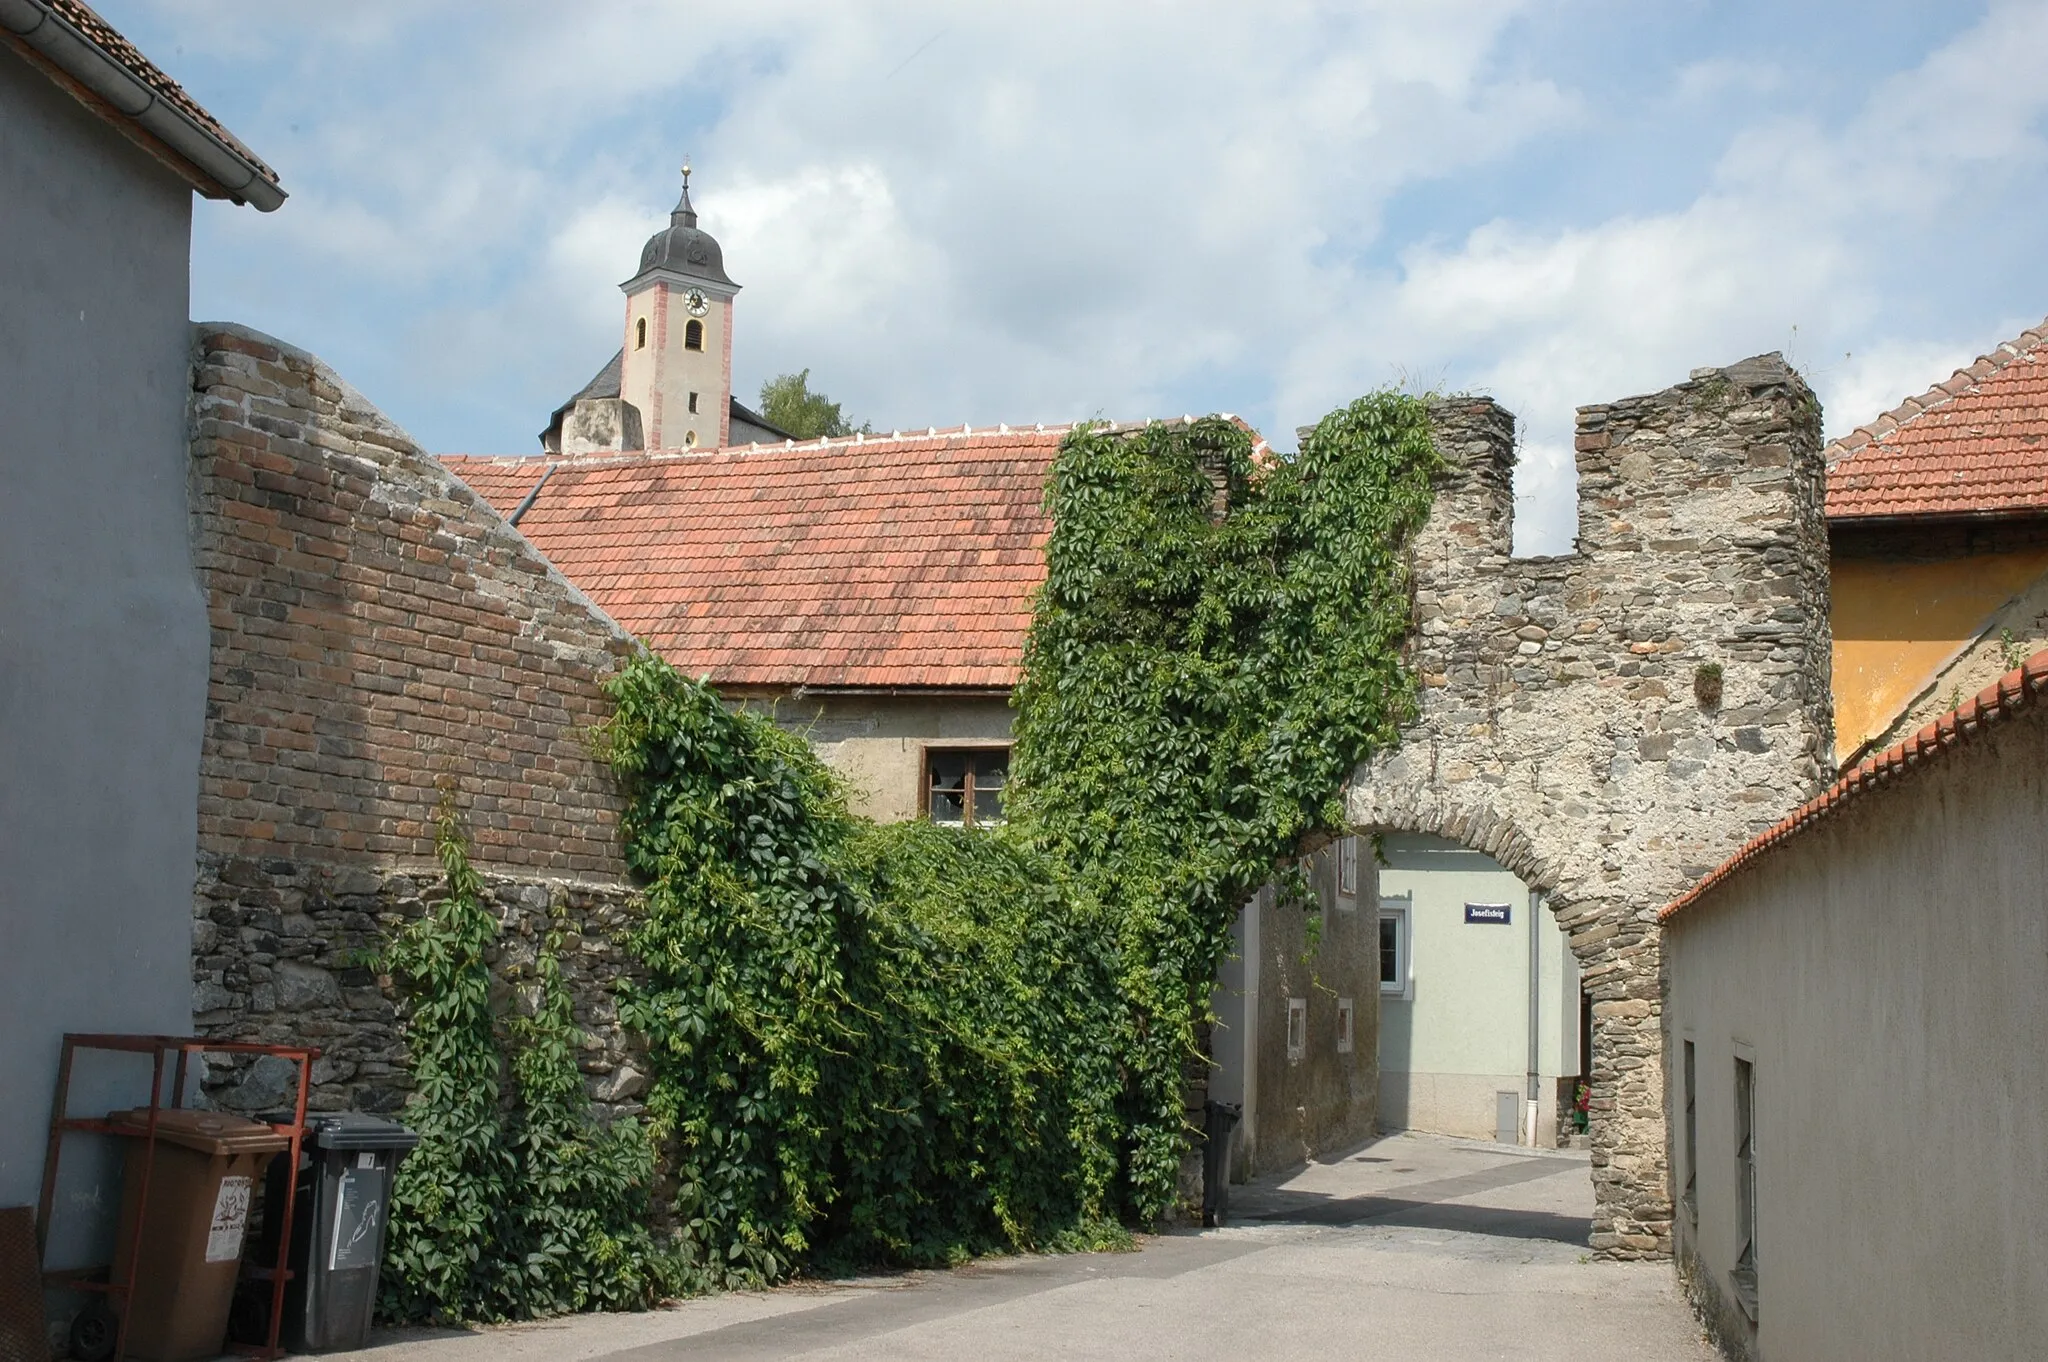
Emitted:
pixel 157 1047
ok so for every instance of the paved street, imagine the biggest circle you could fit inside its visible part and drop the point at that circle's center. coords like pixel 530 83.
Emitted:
pixel 1413 1248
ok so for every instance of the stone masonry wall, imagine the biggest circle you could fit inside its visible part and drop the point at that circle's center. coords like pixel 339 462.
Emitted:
pixel 380 637
pixel 1567 728
pixel 280 951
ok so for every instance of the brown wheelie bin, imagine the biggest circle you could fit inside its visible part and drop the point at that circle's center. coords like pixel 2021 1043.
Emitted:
pixel 206 1166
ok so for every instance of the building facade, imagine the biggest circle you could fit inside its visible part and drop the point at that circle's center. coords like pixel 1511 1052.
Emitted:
pixel 1294 1042
pixel 1938 540
pixel 1854 1009
pixel 103 628
pixel 1480 1004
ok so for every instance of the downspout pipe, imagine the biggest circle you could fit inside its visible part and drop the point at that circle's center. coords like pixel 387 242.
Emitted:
pixel 54 38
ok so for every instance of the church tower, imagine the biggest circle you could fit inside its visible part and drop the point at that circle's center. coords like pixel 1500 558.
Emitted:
pixel 676 369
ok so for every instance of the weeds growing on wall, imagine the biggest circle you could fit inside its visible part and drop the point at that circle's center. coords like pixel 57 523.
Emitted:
pixel 515 1204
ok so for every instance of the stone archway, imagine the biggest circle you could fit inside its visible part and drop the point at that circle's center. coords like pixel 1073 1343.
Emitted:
pixel 1612 724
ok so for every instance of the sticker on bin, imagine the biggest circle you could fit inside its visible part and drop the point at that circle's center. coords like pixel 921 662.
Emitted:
pixel 230 1218
pixel 358 1212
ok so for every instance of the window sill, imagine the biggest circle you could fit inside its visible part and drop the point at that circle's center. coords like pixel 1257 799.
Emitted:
pixel 1744 1281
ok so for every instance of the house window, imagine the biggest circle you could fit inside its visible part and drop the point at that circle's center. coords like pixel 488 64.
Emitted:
pixel 693 335
pixel 964 785
pixel 640 334
pixel 1691 1199
pixel 693 404
pixel 1394 964
pixel 690 439
pixel 1744 1275
pixel 1347 867
pixel 1345 1023
pixel 1297 1029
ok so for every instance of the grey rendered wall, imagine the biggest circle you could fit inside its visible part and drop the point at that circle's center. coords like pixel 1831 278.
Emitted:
pixel 1888 970
pixel 103 632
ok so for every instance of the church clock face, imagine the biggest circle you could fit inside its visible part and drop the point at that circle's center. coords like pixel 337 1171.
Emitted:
pixel 697 305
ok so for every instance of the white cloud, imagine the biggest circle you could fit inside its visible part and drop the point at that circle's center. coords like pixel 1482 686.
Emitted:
pixel 1002 212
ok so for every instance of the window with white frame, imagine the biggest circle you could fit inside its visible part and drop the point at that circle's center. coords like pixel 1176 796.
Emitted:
pixel 1297 1029
pixel 1346 1021
pixel 1347 869
pixel 1395 973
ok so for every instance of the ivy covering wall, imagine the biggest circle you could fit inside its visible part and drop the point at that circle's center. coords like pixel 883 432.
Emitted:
pixel 1197 690
pixel 907 1043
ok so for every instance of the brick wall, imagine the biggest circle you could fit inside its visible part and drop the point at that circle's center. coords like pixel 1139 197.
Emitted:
pixel 378 632
pixel 380 636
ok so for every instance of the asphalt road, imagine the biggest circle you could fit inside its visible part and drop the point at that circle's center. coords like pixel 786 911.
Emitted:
pixel 1411 1248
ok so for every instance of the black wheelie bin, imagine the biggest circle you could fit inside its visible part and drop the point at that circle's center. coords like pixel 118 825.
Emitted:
pixel 341 1201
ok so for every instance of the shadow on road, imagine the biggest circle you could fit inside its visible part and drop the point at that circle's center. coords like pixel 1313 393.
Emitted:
pixel 1441 1204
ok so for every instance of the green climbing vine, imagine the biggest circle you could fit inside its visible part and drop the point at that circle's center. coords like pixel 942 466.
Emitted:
pixel 515 1204
pixel 1198 689
pixel 867 1043
pixel 910 1043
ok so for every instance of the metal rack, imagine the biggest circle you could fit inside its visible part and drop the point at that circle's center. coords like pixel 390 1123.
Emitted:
pixel 158 1048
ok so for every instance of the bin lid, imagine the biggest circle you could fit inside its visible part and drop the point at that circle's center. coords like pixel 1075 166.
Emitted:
pixel 358 1130
pixel 209 1132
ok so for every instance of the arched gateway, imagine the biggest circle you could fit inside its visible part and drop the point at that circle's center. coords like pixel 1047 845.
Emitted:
pixel 1613 723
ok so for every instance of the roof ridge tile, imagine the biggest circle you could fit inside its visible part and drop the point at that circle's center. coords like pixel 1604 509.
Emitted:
pixel 1873 431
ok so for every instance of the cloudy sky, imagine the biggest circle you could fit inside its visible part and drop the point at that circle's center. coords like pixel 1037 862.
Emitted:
pixel 1035 212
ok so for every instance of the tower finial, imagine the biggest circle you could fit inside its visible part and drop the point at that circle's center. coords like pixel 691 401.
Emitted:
pixel 684 215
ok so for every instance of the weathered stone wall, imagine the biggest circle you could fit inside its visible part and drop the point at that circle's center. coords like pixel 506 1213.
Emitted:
pixel 281 951
pixel 1562 728
pixel 380 637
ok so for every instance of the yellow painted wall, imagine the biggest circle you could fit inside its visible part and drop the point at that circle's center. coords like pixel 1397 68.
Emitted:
pixel 1897 624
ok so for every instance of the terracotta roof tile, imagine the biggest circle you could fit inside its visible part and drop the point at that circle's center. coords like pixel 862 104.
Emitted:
pixel 893 561
pixel 2023 687
pixel 1975 445
pixel 877 562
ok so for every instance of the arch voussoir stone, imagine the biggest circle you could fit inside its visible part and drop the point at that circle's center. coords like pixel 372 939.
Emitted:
pixel 1611 724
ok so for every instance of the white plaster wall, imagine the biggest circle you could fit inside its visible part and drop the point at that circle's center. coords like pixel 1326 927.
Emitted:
pixel 1888 970
pixel 1463 1033
pixel 876 742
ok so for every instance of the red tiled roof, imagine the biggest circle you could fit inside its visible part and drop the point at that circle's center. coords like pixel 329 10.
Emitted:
pixel 2021 688
pixel 874 562
pixel 108 39
pixel 1976 445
